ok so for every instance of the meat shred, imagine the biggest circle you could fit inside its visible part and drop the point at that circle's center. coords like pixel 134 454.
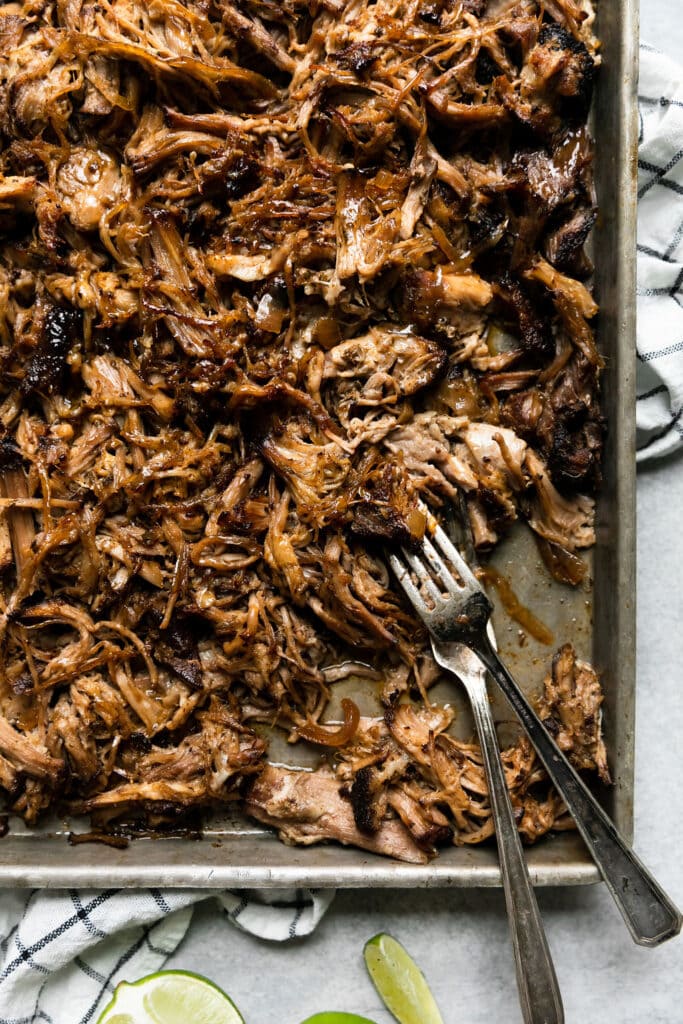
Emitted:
pixel 271 275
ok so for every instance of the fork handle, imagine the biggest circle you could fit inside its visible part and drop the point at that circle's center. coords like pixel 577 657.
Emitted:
pixel 651 916
pixel 539 993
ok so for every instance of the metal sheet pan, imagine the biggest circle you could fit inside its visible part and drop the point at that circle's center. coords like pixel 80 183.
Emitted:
pixel 601 623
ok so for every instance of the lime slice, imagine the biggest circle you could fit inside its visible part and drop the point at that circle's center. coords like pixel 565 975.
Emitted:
pixel 170 997
pixel 400 982
pixel 335 1017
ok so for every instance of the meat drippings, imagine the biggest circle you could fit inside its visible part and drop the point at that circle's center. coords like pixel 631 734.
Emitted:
pixel 513 606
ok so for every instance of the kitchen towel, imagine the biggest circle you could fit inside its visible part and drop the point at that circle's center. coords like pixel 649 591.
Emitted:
pixel 659 408
pixel 62 953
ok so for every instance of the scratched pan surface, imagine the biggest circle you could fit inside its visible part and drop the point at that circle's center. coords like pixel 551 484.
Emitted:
pixel 599 621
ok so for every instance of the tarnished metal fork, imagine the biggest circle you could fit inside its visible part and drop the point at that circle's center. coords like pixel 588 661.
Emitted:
pixel 539 993
pixel 453 606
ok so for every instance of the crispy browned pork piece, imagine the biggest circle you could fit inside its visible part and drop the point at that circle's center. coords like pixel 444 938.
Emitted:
pixel 306 808
pixel 570 709
pixel 271 274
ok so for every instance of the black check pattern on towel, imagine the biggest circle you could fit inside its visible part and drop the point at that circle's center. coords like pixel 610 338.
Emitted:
pixel 659 411
pixel 62 953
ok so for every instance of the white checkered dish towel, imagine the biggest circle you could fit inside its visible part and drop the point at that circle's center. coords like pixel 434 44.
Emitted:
pixel 63 953
pixel 659 410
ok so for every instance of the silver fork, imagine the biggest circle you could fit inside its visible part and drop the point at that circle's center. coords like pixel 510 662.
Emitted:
pixel 539 993
pixel 453 606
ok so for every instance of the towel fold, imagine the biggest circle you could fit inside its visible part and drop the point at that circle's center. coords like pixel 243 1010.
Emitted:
pixel 660 256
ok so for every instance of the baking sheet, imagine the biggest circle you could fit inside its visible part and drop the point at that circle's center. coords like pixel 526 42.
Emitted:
pixel 601 623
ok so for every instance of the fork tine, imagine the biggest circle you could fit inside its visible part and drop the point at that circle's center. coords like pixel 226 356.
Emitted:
pixel 422 572
pixel 403 576
pixel 439 566
pixel 443 542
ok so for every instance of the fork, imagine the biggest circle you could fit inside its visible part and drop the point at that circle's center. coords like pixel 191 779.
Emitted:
pixel 539 993
pixel 453 606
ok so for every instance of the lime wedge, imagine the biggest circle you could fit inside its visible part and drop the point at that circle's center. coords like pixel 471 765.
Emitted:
pixel 335 1017
pixel 400 982
pixel 170 997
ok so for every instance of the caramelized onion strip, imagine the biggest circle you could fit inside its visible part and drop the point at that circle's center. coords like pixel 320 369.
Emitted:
pixel 315 733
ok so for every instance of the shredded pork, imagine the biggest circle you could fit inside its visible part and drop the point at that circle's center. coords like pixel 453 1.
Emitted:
pixel 269 274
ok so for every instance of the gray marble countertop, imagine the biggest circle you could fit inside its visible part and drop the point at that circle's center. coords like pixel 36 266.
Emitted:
pixel 460 937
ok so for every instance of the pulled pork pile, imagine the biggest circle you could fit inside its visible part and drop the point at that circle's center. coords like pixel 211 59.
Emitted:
pixel 269 274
